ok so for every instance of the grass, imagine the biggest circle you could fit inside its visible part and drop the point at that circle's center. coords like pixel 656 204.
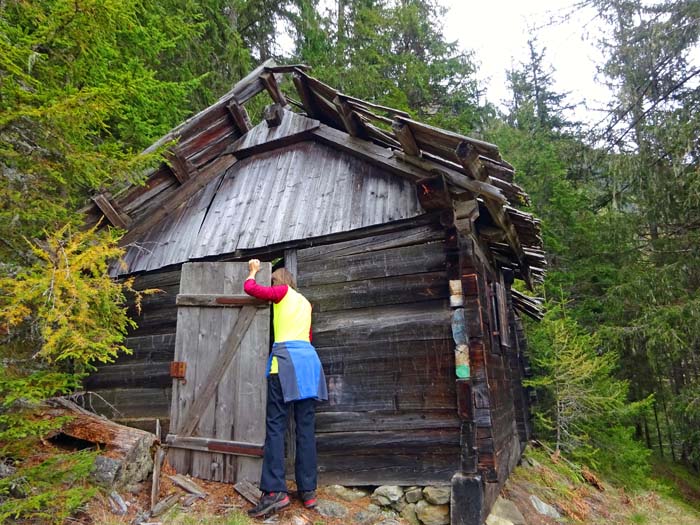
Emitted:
pixel 671 495
pixel 178 517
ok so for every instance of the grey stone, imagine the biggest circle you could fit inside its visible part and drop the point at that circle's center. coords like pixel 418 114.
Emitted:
pixel 331 509
pixel 413 494
pixel 366 517
pixel 388 521
pixel 437 495
pixel 346 493
pixel 507 510
pixel 399 505
pixel 409 514
pixel 387 494
pixel 126 473
pixel 544 508
pixel 105 471
pixel 497 520
pixel 432 514
pixel 388 513
pixel 6 470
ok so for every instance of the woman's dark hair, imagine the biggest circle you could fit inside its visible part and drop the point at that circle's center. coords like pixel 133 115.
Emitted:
pixel 282 276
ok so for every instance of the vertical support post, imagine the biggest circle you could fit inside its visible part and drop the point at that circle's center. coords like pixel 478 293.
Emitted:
pixel 466 499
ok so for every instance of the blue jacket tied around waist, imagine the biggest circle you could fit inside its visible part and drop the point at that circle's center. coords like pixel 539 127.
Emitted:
pixel 300 371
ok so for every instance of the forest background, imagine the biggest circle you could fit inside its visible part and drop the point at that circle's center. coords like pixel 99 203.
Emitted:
pixel 86 85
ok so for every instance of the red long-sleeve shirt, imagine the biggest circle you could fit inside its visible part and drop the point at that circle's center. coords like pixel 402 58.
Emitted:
pixel 266 293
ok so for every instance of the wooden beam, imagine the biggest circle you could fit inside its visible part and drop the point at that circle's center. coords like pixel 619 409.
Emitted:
pixel 457 179
pixel 224 446
pixel 378 107
pixel 240 116
pixel 273 88
pixel 215 300
pixel 181 168
pixel 109 209
pixel 273 115
pixel 347 115
pixel 187 190
pixel 446 138
pixel 288 68
pixel 433 193
pixel 405 136
pixel 305 95
pixel 244 90
pixel 396 162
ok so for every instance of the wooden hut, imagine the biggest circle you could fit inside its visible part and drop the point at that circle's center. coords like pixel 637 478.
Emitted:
pixel 405 239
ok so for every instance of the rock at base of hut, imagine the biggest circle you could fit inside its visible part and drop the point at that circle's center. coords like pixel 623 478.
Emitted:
pixel 433 514
pixel 365 517
pixel 413 494
pixel 437 495
pixel 507 510
pixel 387 494
pixel 105 471
pixel 497 520
pixel 409 514
pixel 331 509
pixel 346 493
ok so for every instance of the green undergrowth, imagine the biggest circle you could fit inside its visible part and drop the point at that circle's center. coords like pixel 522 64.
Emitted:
pixel 677 482
pixel 669 495
pixel 177 516
pixel 49 491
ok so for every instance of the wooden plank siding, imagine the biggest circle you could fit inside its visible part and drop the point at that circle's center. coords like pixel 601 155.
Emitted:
pixel 496 374
pixel 381 327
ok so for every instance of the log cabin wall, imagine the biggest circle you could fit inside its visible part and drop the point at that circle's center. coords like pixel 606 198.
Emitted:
pixel 496 372
pixel 382 330
pixel 138 385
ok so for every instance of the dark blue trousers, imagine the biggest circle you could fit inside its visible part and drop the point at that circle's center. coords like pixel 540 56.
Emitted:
pixel 273 475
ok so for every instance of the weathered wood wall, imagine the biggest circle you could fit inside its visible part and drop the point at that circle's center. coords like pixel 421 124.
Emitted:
pixel 500 407
pixel 139 385
pixel 382 327
pixel 382 330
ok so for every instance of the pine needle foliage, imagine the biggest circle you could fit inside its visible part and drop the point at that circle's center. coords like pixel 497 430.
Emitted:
pixel 68 299
pixel 584 408
pixel 575 379
pixel 50 491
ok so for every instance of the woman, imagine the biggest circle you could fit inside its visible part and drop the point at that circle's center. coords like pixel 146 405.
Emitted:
pixel 294 378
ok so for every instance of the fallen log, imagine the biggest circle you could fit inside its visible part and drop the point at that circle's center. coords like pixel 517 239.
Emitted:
pixel 124 453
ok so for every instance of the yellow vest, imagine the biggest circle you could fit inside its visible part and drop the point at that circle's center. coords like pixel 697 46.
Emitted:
pixel 291 320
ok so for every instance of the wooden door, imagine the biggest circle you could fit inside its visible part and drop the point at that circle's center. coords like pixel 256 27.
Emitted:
pixel 217 416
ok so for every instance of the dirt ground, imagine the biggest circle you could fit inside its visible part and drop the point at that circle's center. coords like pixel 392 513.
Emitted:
pixel 222 506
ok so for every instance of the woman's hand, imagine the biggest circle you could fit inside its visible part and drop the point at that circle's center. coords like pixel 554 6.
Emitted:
pixel 254 265
pixel 253 268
